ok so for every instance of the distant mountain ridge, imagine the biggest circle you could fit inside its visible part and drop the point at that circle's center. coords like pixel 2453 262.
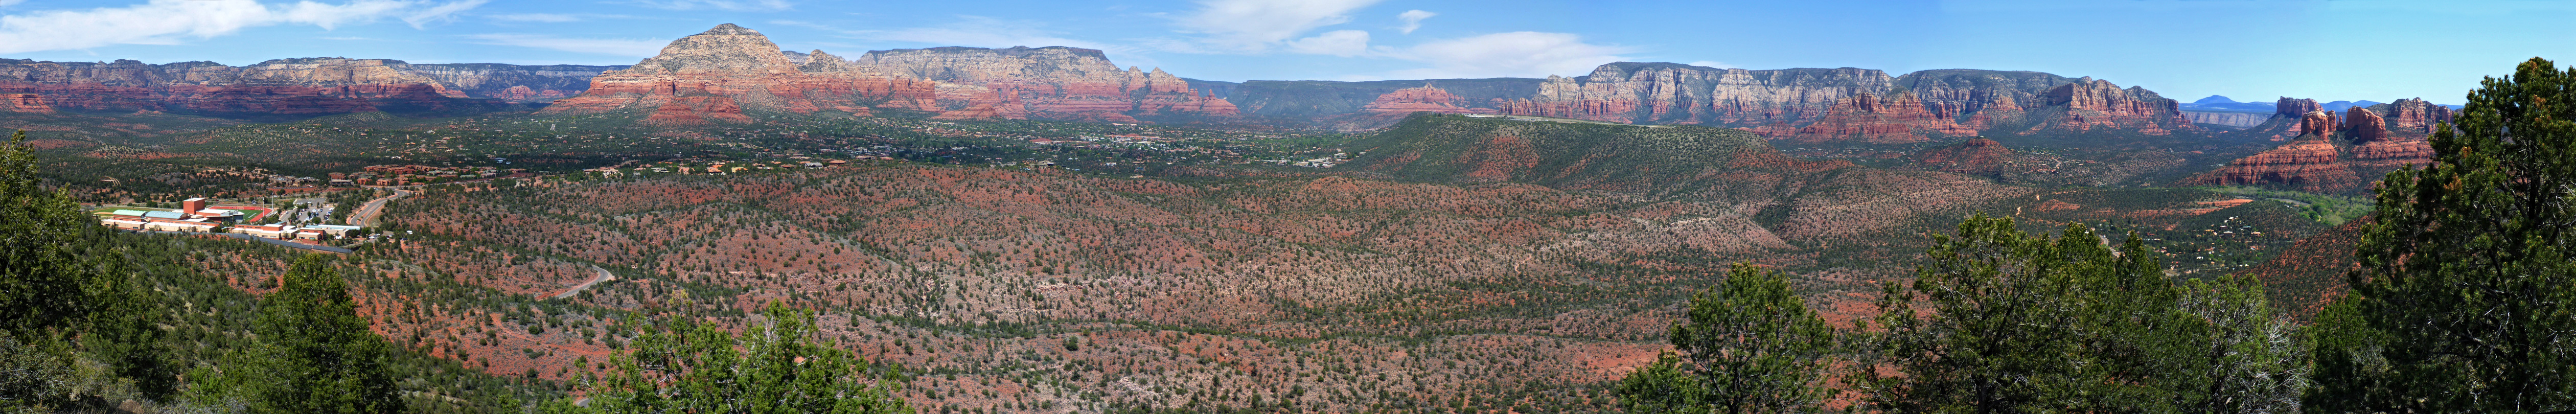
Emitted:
pixel 283 87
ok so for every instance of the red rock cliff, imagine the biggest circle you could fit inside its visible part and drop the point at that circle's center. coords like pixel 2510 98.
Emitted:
pixel 1049 82
pixel 303 86
pixel 734 68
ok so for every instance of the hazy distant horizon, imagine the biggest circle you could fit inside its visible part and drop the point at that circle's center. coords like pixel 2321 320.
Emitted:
pixel 2252 50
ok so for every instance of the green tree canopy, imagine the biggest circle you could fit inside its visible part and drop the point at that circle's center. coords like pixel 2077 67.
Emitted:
pixel 774 367
pixel 316 354
pixel 1749 345
pixel 2466 297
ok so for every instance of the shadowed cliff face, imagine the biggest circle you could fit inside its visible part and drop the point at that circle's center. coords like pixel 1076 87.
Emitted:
pixel 287 87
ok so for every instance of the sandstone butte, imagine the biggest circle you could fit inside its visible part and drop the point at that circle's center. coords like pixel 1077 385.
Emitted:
pixel 2309 163
pixel 303 86
pixel 2362 143
pixel 1824 105
pixel 716 74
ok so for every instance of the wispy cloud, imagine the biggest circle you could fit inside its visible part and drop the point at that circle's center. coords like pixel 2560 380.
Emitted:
pixel 977 31
pixel 1413 19
pixel 166 22
pixel 726 5
pixel 1257 26
pixel 1517 54
pixel 553 17
pixel 614 47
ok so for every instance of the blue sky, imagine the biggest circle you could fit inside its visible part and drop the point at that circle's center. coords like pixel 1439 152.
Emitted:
pixel 2186 49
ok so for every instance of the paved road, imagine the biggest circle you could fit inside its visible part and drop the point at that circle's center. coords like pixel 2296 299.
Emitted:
pixel 366 214
pixel 602 277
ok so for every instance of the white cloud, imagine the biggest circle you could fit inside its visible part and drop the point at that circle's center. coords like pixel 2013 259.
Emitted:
pixel 727 5
pixel 7 3
pixel 615 47
pixel 1255 26
pixel 1713 64
pixel 977 31
pixel 535 17
pixel 1514 54
pixel 1413 19
pixel 168 22
pixel 1344 43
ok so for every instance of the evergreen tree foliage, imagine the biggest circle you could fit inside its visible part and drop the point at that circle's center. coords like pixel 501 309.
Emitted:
pixel 1749 345
pixel 2251 359
pixel 2021 323
pixel 316 355
pixel 46 281
pixel 775 367
pixel 2466 297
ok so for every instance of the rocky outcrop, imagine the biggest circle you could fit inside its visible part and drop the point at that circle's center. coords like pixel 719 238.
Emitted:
pixel 2309 163
pixel 1049 82
pixel 1976 156
pixel 742 65
pixel 748 71
pixel 2293 108
pixel 2234 119
pixel 2415 116
pixel 1871 119
pixel 2089 103
pixel 283 87
pixel 1669 93
pixel 25 103
pixel 1982 99
pixel 2363 126
pixel 514 83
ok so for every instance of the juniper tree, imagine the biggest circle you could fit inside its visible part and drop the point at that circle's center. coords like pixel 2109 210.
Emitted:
pixel 774 367
pixel 315 354
pixel 2465 300
pixel 1749 345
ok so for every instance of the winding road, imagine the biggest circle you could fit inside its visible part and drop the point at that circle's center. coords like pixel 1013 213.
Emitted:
pixel 576 290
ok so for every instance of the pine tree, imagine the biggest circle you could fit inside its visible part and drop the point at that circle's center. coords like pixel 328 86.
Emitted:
pixel 1749 345
pixel 775 367
pixel 2466 297
pixel 1998 339
pixel 46 280
pixel 316 355
pixel 2248 357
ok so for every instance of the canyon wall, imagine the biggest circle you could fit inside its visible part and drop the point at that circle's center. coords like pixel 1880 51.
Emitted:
pixel 285 87
pixel 2234 119
pixel 738 68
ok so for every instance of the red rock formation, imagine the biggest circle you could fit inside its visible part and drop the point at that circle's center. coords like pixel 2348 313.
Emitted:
pixel 1061 83
pixel 1668 93
pixel 2293 108
pixel 1977 156
pixel 304 86
pixel 25 103
pixel 742 66
pixel 2363 126
pixel 2088 103
pixel 697 110
pixel 2309 163
pixel 1875 120
pixel 2415 116
pixel 1423 99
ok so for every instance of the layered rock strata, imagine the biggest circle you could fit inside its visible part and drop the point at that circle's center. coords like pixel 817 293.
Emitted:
pixel 2234 119
pixel 1050 82
pixel 743 66
pixel 2309 163
pixel 290 87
